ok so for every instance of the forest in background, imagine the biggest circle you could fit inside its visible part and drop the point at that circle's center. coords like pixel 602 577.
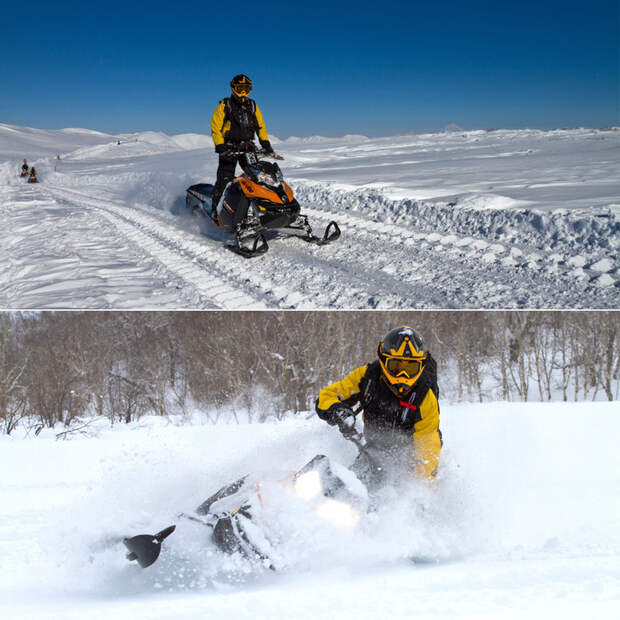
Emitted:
pixel 61 366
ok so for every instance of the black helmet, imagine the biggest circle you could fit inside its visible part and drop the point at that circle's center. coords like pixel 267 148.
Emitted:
pixel 241 85
pixel 402 354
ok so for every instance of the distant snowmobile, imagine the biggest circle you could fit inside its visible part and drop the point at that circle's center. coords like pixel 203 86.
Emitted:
pixel 236 516
pixel 33 176
pixel 24 170
pixel 257 201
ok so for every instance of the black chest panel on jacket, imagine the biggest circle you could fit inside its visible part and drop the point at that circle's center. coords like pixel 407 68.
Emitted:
pixel 242 117
pixel 383 410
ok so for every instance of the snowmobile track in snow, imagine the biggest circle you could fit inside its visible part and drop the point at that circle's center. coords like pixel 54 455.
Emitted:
pixel 191 261
pixel 207 267
pixel 373 265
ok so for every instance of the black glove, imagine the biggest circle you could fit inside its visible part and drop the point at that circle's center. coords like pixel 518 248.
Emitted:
pixel 266 146
pixel 343 417
pixel 221 148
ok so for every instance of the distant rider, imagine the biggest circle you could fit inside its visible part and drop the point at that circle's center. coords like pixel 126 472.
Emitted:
pixel 397 395
pixel 233 125
pixel 25 168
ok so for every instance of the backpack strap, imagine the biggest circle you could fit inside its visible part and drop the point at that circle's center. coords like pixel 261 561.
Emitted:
pixel 227 110
pixel 368 384
pixel 254 119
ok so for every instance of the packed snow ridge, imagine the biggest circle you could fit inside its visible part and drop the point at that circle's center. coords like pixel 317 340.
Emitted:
pixel 458 219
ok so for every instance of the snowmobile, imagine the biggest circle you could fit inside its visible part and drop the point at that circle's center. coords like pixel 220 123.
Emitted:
pixel 33 176
pixel 236 516
pixel 257 201
pixel 24 170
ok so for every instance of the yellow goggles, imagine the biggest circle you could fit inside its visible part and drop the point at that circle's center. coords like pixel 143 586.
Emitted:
pixel 243 89
pixel 398 365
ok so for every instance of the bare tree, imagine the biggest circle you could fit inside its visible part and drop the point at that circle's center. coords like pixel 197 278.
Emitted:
pixel 60 365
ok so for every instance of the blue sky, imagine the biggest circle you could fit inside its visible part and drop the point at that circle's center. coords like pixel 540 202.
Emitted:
pixel 328 68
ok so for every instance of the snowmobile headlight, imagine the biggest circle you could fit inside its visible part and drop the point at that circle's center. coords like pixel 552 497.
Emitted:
pixel 338 513
pixel 308 485
pixel 268 179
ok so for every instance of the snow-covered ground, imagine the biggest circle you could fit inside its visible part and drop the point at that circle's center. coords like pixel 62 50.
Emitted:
pixel 524 521
pixel 471 219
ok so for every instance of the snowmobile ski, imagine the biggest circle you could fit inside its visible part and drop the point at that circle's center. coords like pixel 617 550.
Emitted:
pixel 331 233
pixel 145 548
pixel 329 237
pixel 249 244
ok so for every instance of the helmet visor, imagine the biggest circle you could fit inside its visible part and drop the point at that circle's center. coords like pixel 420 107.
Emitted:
pixel 398 365
pixel 242 89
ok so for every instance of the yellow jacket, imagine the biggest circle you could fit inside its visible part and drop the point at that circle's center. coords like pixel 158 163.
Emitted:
pixel 225 126
pixel 418 419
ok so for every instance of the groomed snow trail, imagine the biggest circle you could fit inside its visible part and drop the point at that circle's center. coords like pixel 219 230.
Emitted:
pixel 148 264
pixel 106 228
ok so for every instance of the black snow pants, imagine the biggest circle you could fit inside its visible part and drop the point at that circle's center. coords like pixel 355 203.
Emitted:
pixel 225 174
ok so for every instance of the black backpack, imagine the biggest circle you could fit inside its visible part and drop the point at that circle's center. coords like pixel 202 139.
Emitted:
pixel 229 114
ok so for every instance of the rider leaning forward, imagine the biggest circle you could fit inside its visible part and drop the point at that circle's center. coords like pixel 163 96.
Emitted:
pixel 233 125
pixel 397 395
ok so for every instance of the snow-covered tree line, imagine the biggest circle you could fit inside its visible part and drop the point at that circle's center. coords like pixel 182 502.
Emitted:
pixel 59 366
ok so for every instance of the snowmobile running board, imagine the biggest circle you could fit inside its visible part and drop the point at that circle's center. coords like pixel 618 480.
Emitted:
pixel 146 547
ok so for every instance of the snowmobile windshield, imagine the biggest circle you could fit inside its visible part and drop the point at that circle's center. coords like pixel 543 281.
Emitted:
pixel 398 365
pixel 267 174
pixel 268 179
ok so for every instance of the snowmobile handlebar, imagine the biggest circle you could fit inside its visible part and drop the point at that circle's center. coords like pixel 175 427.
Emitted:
pixel 354 437
pixel 358 440
pixel 259 154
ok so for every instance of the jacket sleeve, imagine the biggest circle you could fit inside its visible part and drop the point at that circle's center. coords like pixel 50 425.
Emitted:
pixel 217 124
pixel 260 124
pixel 339 391
pixel 427 438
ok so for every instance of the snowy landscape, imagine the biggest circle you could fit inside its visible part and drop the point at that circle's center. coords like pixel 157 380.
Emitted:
pixel 458 219
pixel 523 520
pixel 377 379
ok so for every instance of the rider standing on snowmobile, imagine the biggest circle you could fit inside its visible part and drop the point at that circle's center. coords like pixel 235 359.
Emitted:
pixel 233 125
pixel 397 394
pixel 25 168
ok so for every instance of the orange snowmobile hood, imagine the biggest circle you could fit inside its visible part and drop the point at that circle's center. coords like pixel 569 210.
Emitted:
pixel 254 190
